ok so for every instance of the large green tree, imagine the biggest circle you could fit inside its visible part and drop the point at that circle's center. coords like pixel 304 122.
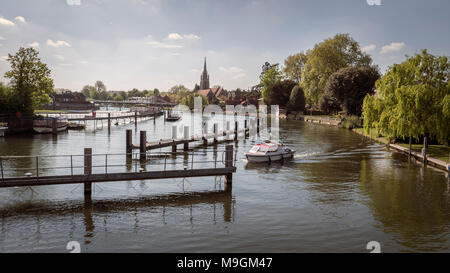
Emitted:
pixel 269 78
pixel 279 93
pixel 326 58
pixel 349 86
pixel 293 66
pixel 30 80
pixel 412 100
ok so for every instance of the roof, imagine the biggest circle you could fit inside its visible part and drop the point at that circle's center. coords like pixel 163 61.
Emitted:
pixel 204 92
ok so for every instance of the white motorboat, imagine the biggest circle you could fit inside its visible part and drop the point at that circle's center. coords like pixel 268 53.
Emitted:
pixel 268 152
pixel 45 125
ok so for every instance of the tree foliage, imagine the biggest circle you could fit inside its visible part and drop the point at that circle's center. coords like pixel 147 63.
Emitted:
pixel 30 81
pixel 270 77
pixel 326 58
pixel 348 87
pixel 296 99
pixel 412 99
pixel 279 93
pixel 293 66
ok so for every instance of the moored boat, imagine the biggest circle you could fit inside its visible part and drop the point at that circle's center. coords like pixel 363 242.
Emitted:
pixel 45 125
pixel 172 116
pixel 269 151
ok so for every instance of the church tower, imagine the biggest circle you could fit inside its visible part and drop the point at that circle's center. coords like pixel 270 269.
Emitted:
pixel 204 78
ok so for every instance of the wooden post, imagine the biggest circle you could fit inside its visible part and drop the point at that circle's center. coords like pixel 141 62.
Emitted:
pixel 54 126
pixel 246 127
pixel 215 131
pixel 135 117
pixel 143 146
pixel 186 138
pixel 174 137
pixel 229 162
pixel 236 130
pixel 109 122
pixel 87 171
pixel 205 132
pixel 129 142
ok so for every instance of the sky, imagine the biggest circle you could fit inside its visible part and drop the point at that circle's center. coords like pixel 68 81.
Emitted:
pixel 149 44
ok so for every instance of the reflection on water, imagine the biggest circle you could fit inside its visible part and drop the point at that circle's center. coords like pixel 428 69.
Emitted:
pixel 338 193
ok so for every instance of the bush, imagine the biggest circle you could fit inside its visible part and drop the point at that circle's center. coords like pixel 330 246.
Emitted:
pixel 296 100
pixel 351 122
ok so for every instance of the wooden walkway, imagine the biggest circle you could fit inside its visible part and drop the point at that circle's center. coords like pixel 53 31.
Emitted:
pixel 34 176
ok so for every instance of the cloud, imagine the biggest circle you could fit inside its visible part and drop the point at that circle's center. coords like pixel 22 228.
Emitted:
pixel 57 43
pixel 65 64
pixel 211 52
pixel 195 70
pixel 368 48
pixel 33 44
pixel 163 45
pixel 232 69
pixel 6 22
pixel 59 57
pixel 20 19
pixel 191 36
pixel 174 36
pixel 3 58
pixel 1 38
pixel 239 76
pixel 73 2
pixel 84 62
pixel 392 47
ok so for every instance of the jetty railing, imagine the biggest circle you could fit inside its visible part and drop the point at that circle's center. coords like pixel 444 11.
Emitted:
pixel 108 163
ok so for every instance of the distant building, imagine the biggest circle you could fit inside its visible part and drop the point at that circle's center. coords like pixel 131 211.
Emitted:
pixel 68 100
pixel 213 94
pixel 204 78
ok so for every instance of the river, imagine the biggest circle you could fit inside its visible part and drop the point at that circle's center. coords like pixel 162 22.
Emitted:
pixel 339 192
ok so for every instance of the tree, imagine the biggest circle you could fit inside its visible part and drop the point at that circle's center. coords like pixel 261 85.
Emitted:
pixel 100 86
pixel 296 99
pixel 88 90
pixel 293 66
pixel 178 88
pixel 29 79
pixel 196 87
pixel 326 58
pixel 279 93
pixel 348 87
pixel 412 100
pixel 269 78
pixel 156 92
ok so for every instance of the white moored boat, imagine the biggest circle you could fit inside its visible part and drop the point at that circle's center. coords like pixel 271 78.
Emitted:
pixel 45 125
pixel 268 152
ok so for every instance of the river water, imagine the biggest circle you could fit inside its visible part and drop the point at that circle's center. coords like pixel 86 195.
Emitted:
pixel 339 192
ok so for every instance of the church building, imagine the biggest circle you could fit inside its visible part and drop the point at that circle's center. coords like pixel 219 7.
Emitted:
pixel 212 94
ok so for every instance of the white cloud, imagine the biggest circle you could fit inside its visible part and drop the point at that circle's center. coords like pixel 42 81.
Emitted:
pixel 73 2
pixel 174 36
pixel 1 38
pixel 59 57
pixel 65 64
pixel 368 48
pixel 239 76
pixel 163 45
pixel 3 58
pixel 84 62
pixel 57 43
pixel 33 44
pixel 232 69
pixel 194 70
pixel 211 52
pixel 20 19
pixel 6 22
pixel 392 47
pixel 191 36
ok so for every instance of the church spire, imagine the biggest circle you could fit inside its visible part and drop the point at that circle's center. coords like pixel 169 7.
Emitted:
pixel 204 78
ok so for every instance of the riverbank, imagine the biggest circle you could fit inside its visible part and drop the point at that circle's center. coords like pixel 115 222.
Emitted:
pixel 435 156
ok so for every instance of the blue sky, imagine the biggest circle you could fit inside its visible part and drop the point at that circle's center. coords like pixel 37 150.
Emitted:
pixel 150 44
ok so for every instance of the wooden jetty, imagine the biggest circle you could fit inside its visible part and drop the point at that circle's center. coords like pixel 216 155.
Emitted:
pixel 173 142
pixel 34 176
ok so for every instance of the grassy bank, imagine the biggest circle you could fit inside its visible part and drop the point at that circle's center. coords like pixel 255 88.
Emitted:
pixel 440 152
pixel 40 112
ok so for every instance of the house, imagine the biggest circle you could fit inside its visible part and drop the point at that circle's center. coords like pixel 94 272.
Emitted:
pixel 68 100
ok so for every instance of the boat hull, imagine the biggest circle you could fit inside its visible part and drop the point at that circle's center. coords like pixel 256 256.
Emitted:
pixel 269 158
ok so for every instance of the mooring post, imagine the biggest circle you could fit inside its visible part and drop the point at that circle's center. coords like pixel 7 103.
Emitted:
pixel 109 122
pixel 215 131
pixel 143 146
pixel 54 127
pixel 135 117
pixel 129 142
pixel 246 127
pixel 229 162
pixel 236 130
pixel 205 133
pixel 186 138
pixel 174 137
pixel 87 171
